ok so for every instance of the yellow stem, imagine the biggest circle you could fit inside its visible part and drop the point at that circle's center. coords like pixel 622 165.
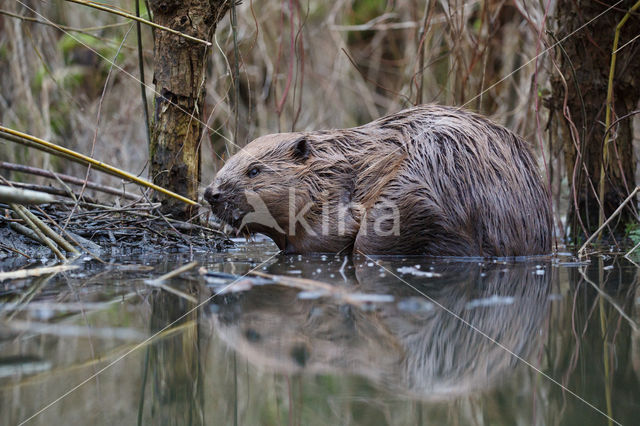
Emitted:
pixel 98 164
pixel 609 109
pixel 605 349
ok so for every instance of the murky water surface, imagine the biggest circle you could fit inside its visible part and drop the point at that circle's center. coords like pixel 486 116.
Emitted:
pixel 391 341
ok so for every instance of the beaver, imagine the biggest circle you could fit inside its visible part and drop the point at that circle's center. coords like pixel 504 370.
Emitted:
pixel 428 180
pixel 410 346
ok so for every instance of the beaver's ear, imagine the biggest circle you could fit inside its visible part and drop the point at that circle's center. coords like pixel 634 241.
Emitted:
pixel 301 149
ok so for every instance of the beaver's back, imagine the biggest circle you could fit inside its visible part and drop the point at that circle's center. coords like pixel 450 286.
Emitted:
pixel 465 186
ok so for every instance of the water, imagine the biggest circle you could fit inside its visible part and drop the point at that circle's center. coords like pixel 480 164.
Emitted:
pixel 394 341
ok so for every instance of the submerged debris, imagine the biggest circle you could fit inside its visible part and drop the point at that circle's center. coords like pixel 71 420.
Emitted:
pixel 224 283
pixel 417 272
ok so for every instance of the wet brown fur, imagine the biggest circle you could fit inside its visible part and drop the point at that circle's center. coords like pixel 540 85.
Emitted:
pixel 463 185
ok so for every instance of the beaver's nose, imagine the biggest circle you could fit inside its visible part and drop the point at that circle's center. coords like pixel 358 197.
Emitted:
pixel 212 196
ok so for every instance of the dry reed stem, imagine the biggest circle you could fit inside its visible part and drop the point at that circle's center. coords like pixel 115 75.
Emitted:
pixel 35 272
pixel 44 239
pixel 49 232
pixel 609 108
pixel 9 194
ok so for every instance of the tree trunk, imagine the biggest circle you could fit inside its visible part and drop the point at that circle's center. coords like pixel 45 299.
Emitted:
pixel 179 76
pixel 584 60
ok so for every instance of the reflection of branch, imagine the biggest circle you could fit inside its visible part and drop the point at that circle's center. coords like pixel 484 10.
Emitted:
pixel 321 289
pixel 159 282
pixel 34 272
pixel 609 299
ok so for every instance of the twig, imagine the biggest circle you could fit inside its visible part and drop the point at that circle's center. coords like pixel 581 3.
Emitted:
pixel 66 178
pixel 83 159
pixel 27 232
pixel 15 250
pixel 135 18
pixel 84 30
pixel 613 215
pixel 158 282
pixel 609 299
pixel 325 289
pixel 632 250
pixel 49 232
pixel 77 240
pixel 172 290
pixel 46 189
pixel 35 272
pixel 34 228
pixel 176 272
pixel 23 196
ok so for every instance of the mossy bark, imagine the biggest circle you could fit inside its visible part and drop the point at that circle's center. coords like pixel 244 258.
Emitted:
pixel 584 60
pixel 179 77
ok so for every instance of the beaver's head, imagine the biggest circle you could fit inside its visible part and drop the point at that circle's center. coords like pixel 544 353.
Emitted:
pixel 283 185
pixel 253 191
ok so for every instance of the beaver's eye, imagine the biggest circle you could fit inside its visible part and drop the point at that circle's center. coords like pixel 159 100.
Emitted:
pixel 253 172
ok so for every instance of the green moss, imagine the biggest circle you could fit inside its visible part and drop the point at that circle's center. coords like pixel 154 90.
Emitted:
pixel 632 231
pixel 70 44
pixel 363 11
pixel 318 11
pixel 60 124
pixel 73 78
pixel 67 44
pixel 38 78
pixel 477 25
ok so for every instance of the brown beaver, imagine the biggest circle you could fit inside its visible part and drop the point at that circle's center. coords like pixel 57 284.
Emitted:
pixel 429 180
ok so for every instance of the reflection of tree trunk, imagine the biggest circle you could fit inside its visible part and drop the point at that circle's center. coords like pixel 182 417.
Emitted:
pixel 179 76
pixel 584 60
pixel 174 364
pixel 635 335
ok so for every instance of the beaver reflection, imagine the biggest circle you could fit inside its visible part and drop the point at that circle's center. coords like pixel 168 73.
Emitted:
pixel 411 345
